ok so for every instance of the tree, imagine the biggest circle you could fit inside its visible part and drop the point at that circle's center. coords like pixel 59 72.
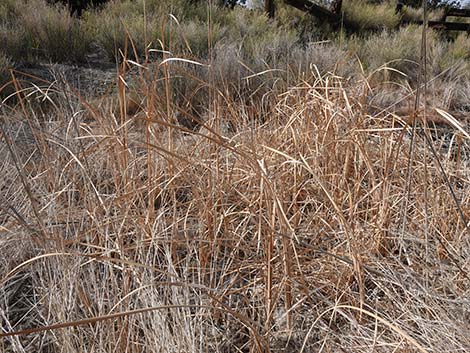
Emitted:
pixel 269 8
pixel 77 7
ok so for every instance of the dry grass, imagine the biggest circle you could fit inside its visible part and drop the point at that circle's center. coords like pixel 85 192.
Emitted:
pixel 295 221
pixel 369 16
pixel 266 199
pixel 5 65
pixel 411 14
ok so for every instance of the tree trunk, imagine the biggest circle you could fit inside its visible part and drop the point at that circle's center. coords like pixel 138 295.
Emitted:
pixel 269 8
pixel 336 6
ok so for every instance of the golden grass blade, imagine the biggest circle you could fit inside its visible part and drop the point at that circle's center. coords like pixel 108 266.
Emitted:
pixel 169 60
pixel 453 122
pixel 391 326
pixel 262 73
pixel 99 319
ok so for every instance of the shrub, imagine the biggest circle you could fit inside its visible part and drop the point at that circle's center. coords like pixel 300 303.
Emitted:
pixel 399 50
pixel 34 30
pixel 171 24
pixel 460 47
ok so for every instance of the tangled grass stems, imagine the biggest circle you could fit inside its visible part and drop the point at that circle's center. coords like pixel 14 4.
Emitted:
pixel 282 206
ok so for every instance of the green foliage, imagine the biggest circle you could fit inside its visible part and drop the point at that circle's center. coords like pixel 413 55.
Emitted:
pixel 460 47
pixel 400 51
pixel 184 30
pixel 34 30
pixel 8 10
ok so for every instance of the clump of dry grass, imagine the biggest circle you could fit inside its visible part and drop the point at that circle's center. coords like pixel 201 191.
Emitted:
pixel 371 16
pixel 412 14
pixel 296 220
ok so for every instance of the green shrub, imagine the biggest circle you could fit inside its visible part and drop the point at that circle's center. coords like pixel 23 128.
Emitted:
pixel 172 24
pixel 401 50
pixel 33 30
pixel 112 32
pixel 460 47
pixel 398 50
pixel 8 10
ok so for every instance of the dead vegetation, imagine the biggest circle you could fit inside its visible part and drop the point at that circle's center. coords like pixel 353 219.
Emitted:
pixel 297 222
pixel 302 203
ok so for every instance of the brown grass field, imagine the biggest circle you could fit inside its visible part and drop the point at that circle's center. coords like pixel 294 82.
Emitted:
pixel 291 209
